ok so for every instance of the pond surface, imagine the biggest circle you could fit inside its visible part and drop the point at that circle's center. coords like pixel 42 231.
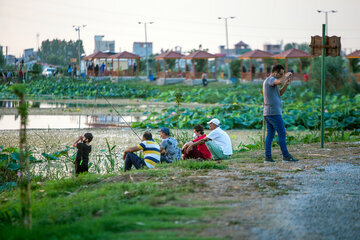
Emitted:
pixel 12 122
pixel 35 104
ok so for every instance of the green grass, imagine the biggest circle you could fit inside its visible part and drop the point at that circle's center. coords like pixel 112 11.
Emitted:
pixel 196 165
pixel 86 208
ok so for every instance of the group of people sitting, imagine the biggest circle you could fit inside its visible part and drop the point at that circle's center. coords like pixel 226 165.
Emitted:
pixel 216 145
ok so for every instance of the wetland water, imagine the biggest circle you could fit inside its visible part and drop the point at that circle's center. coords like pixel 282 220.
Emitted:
pixel 12 122
pixel 52 115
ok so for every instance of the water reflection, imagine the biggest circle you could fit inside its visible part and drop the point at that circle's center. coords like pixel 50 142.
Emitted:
pixel 31 104
pixel 12 122
pixel 35 104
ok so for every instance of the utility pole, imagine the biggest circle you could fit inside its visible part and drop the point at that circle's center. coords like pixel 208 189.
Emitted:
pixel 146 48
pixel 77 28
pixel 227 44
pixel 37 41
pixel 326 19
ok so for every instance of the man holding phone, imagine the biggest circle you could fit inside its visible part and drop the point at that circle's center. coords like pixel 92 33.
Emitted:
pixel 273 111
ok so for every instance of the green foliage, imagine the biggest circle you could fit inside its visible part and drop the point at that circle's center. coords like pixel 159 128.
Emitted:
pixel 37 68
pixel 300 112
pixel 170 64
pixel 2 60
pixel 59 52
pixel 302 46
pixel 200 64
pixel 334 73
pixel 10 165
pixel 110 156
pixel 241 105
pixel 235 66
pixel 18 89
pixel 355 65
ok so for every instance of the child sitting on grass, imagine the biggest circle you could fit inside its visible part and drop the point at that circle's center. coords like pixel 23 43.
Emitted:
pixel 82 156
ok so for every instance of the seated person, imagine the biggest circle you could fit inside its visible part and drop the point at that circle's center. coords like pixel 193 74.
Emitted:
pixel 151 154
pixel 200 151
pixel 169 146
pixel 218 142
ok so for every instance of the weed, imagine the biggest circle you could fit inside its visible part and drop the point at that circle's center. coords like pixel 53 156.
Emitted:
pixel 196 165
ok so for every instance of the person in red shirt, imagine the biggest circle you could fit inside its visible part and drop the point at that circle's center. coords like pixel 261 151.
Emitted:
pixel 306 77
pixel 20 76
pixel 200 151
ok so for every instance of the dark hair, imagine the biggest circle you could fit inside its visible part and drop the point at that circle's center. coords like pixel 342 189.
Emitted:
pixel 147 135
pixel 199 128
pixel 88 136
pixel 277 68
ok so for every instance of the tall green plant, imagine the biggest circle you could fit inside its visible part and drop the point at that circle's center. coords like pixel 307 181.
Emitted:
pixel 110 157
pixel 25 191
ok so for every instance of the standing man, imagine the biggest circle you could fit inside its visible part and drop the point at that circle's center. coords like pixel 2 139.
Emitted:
pixel 218 142
pixel 273 111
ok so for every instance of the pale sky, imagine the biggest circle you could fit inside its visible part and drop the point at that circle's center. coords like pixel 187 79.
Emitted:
pixel 185 23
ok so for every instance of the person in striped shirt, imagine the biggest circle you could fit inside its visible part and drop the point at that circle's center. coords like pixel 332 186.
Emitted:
pixel 151 154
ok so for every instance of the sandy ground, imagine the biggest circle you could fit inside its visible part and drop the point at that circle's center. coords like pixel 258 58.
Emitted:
pixel 316 198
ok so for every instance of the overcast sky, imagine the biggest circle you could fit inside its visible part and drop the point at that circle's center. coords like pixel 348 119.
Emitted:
pixel 185 23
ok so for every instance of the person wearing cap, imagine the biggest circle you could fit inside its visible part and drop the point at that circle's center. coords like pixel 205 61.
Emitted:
pixel 273 111
pixel 218 142
pixel 151 154
pixel 169 146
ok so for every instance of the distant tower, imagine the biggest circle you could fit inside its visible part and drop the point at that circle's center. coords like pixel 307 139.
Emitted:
pixel 37 41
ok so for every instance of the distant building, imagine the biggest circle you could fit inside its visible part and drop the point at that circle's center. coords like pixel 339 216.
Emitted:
pixel 273 48
pixel 139 48
pixel 29 55
pixel 104 46
pixel 10 59
pixel 239 48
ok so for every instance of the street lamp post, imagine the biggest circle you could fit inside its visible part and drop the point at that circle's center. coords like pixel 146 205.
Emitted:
pixel 77 28
pixel 146 48
pixel 326 19
pixel 227 44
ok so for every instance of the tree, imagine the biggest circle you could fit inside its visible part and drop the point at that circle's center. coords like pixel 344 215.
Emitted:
pixel 2 60
pixel 235 66
pixel 59 52
pixel 36 68
pixel 334 73
pixel 355 65
pixel 289 46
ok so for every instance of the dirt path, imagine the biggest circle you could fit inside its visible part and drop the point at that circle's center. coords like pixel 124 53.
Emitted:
pixel 317 198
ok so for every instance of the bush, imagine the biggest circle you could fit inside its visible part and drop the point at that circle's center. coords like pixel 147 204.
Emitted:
pixel 37 68
pixel 335 77
pixel 235 66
